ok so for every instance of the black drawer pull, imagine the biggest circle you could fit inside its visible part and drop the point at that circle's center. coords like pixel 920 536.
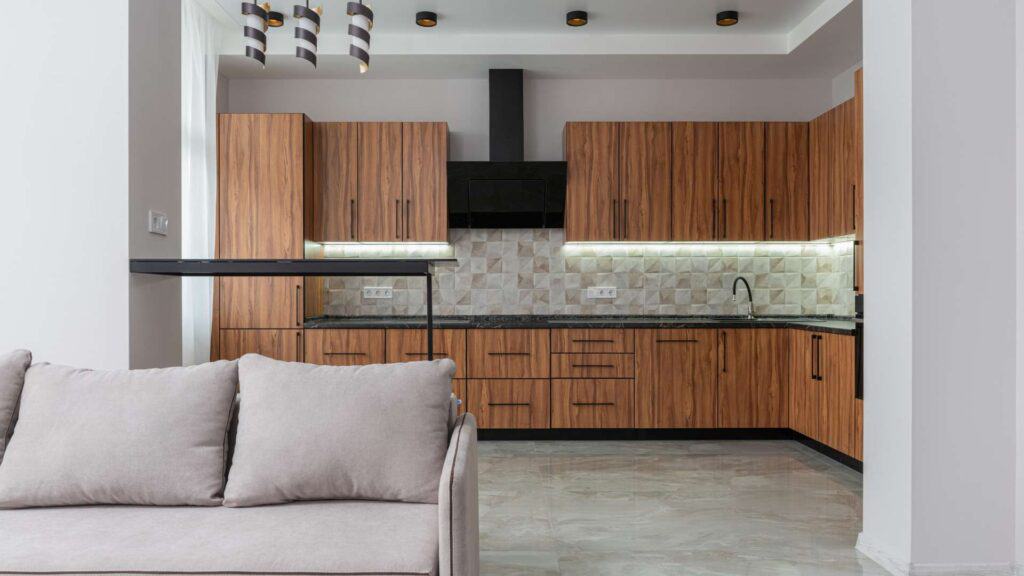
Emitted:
pixel 344 353
pixel 593 365
pixel 508 353
pixel 508 404
pixel 677 341
pixel 594 340
pixel 425 354
pixel 593 403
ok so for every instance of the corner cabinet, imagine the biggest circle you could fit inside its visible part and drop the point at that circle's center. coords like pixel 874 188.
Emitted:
pixel 822 391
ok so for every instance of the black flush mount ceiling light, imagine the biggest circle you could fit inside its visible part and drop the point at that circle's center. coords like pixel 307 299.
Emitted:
pixel 255 30
pixel 727 18
pixel 576 18
pixel 275 19
pixel 426 19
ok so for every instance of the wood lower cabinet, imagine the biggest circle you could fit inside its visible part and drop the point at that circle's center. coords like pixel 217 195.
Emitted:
pixel 410 345
pixel 278 344
pixel 787 181
pixel 260 302
pixel 837 375
pixel 804 389
pixel 510 403
pixel 592 403
pixel 593 340
pixel 676 378
pixel 751 378
pixel 592 366
pixel 345 347
pixel 508 353
pixel 858 430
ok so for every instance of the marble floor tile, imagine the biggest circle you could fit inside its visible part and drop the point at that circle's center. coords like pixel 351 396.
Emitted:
pixel 668 507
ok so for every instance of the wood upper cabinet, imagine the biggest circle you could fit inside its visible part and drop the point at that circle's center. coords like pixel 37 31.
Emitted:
pixel 804 390
pixel 592 207
pixel 741 181
pixel 336 182
pixel 675 378
pixel 844 177
pixel 787 180
pixel 379 206
pixel 425 181
pixel 694 180
pixel 344 347
pixel 410 345
pixel 260 302
pixel 645 191
pixel 836 152
pixel 278 344
pixel 751 378
pixel 261 178
pixel 820 200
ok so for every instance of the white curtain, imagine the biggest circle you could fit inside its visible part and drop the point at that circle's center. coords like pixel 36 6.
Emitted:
pixel 199 48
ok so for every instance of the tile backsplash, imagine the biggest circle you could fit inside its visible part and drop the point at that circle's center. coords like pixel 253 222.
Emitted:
pixel 535 272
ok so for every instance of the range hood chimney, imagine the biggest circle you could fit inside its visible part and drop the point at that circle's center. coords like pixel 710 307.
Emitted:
pixel 506 109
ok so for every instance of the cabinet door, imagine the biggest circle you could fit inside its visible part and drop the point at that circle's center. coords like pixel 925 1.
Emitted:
pixel 787 180
pixel 379 203
pixel 858 430
pixel 511 353
pixel 591 403
pixel 844 175
pixel 858 169
pixel 838 371
pixel 646 181
pixel 614 340
pixel 675 381
pixel 694 180
pixel 344 347
pixel 425 181
pixel 336 182
pixel 741 176
pixel 820 201
pixel 750 379
pixel 410 345
pixel 278 344
pixel 510 404
pixel 260 302
pixel 592 210
pixel 804 394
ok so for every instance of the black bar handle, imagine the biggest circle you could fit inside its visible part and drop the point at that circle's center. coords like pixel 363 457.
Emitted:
pixel 508 353
pixel 676 341
pixel 725 219
pixel 398 218
pixel 298 346
pixel 408 205
pixel 615 219
pixel 344 353
pixel 445 354
pixel 725 351
pixel 771 218
pixel 625 218
pixel 593 340
pixel 593 365
pixel 593 403
pixel 298 305
pixel 352 219
pixel 714 218
pixel 508 403
pixel 814 356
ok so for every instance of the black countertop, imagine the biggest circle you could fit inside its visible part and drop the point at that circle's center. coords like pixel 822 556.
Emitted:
pixel 836 325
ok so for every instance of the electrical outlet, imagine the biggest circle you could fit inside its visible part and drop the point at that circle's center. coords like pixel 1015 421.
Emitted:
pixel 157 223
pixel 378 292
pixel 601 292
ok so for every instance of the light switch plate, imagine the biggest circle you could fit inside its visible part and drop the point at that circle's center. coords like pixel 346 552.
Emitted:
pixel 157 223
pixel 378 292
pixel 601 292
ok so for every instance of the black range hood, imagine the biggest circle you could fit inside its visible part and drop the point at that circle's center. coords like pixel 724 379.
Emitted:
pixel 506 192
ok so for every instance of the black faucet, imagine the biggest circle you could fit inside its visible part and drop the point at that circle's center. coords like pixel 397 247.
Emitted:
pixel 750 295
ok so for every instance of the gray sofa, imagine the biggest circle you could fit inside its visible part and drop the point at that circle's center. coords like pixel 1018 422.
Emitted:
pixel 339 537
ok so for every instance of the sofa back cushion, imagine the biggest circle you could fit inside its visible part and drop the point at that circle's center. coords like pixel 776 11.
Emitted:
pixel 308 432
pixel 12 377
pixel 120 437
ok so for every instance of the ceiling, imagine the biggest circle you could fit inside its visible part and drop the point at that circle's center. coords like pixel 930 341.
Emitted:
pixel 624 39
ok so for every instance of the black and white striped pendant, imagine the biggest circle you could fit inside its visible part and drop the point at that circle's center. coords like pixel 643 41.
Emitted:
pixel 359 30
pixel 255 31
pixel 307 28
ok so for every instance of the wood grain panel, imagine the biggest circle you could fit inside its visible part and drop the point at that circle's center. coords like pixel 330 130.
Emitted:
pixel 508 353
pixel 279 178
pixel 379 203
pixel 646 181
pixel 336 182
pixel 694 180
pixel 737 394
pixel 741 176
pixel 591 340
pixel 592 209
pixel 771 373
pixel 345 347
pixel 843 156
pixel 236 185
pixel 787 180
pixel 410 345
pixel 278 344
pixel 510 404
pixel 260 302
pixel 820 199
pixel 592 366
pixel 858 430
pixel 676 380
pixel 591 403
pixel 838 358
pixel 804 391
pixel 425 181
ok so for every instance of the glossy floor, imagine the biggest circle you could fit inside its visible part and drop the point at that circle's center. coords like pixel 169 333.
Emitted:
pixel 668 507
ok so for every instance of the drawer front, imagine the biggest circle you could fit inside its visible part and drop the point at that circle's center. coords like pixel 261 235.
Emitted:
pixel 510 404
pixel 592 340
pixel 260 302
pixel 345 347
pixel 277 344
pixel 591 403
pixel 592 365
pixel 410 345
pixel 508 353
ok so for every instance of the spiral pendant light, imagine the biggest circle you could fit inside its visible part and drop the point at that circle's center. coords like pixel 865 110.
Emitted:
pixel 307 28
pixel 359 30
pixel 255 30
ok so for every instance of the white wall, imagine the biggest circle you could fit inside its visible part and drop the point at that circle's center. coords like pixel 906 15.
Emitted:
pixel 843 85
pixel 549 103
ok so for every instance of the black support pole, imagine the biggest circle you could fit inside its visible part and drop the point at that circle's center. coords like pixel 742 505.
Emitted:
pixel 430 315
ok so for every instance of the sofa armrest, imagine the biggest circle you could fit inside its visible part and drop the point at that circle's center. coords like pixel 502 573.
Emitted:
pixel 457 503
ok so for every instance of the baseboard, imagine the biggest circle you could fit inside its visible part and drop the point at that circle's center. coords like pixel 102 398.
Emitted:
pixel 882 556
pixel 900 567
pixel 832 453
pixel 637 434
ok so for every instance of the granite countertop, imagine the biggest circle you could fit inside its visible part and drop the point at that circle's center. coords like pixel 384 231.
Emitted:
pixel 833 324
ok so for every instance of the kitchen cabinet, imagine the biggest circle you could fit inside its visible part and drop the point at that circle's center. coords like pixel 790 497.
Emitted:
pixel 751 374
pixel 858 168
pixel 510 403
pixel 804 389
pixel 594 340
pixel 508 353
pixel 820 201
pixel 836 171
pixel 645 192
pixel 694 181
pixel 348 347
pixel 260 302
pixel 379 206
pixel 844 183
pixel 278 344
pixel 676 378
pixel 741 181
pixel 837 376
pixel 410 345
pixel 591 403
pixel 336 182
pixel 424 182
pixel 589 365
pixel 787 180
pixel 592 185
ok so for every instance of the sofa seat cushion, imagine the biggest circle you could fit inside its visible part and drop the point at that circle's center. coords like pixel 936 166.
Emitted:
pixel 338 537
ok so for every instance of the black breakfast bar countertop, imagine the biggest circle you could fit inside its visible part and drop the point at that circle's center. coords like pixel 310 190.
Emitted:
pixel 832 324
